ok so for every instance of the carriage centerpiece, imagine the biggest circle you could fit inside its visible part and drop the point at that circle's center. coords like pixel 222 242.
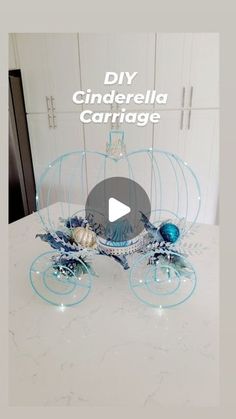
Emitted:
pixel 159 272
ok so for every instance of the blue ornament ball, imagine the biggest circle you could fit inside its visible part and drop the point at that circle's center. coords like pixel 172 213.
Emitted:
pixel 170 232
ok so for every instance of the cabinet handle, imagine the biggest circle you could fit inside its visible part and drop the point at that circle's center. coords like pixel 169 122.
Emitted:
pixel 48 104
pixel 183 97
pixel 182 119
pixel 49 121
pixel 53 103
pixel 189 119
pixel 50 110
pixel 53 113
pixel 54 121
pixel 190 106
pixel 191 97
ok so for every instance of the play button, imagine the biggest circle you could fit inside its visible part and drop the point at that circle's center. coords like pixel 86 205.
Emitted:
pixel 114 208
pixel 117 209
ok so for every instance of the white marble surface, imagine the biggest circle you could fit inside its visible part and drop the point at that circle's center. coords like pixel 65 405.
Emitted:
pixel 111 350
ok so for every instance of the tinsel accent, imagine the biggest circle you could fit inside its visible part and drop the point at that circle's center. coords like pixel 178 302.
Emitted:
pixel 153 240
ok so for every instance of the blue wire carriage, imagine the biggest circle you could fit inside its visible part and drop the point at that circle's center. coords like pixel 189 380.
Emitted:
pixel 159 274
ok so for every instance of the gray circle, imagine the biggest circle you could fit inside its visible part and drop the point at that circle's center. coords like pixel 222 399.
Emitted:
pixel 126 191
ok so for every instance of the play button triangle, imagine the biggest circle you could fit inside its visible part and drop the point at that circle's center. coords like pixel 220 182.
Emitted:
pixel 117 209
pixel 114 208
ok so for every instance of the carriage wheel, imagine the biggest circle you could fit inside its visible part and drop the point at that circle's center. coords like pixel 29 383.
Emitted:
pixel 160 282
pixel 61 286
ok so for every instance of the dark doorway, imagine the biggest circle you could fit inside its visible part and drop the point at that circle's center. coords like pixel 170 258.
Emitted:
pixel 21 175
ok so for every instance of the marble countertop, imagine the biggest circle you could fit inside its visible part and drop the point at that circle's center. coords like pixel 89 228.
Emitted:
pixel 112 350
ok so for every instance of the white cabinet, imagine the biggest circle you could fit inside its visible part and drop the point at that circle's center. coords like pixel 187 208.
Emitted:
pixel 48 144
pixel 172 66
pixel 50 67
pixel 168 135
pixel 41 139
pixel 188 65
pixel 204 72
pixel 12 64
pixel 33 63
pixel 198 146
pixel 201 152
pixel 68 135
pixel 117 52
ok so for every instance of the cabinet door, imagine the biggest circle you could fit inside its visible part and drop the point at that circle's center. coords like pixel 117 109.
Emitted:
pixel 63 59
pixel 50 67
pixel 33 63
pixel 204 73
pixel 172 67
pixel 12 65
pixel 47 144
pixel 201 152
pixel 117 52
pixel 168 137
pixel 41 140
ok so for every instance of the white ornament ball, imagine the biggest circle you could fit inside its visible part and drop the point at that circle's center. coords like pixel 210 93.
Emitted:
pixel 84 236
